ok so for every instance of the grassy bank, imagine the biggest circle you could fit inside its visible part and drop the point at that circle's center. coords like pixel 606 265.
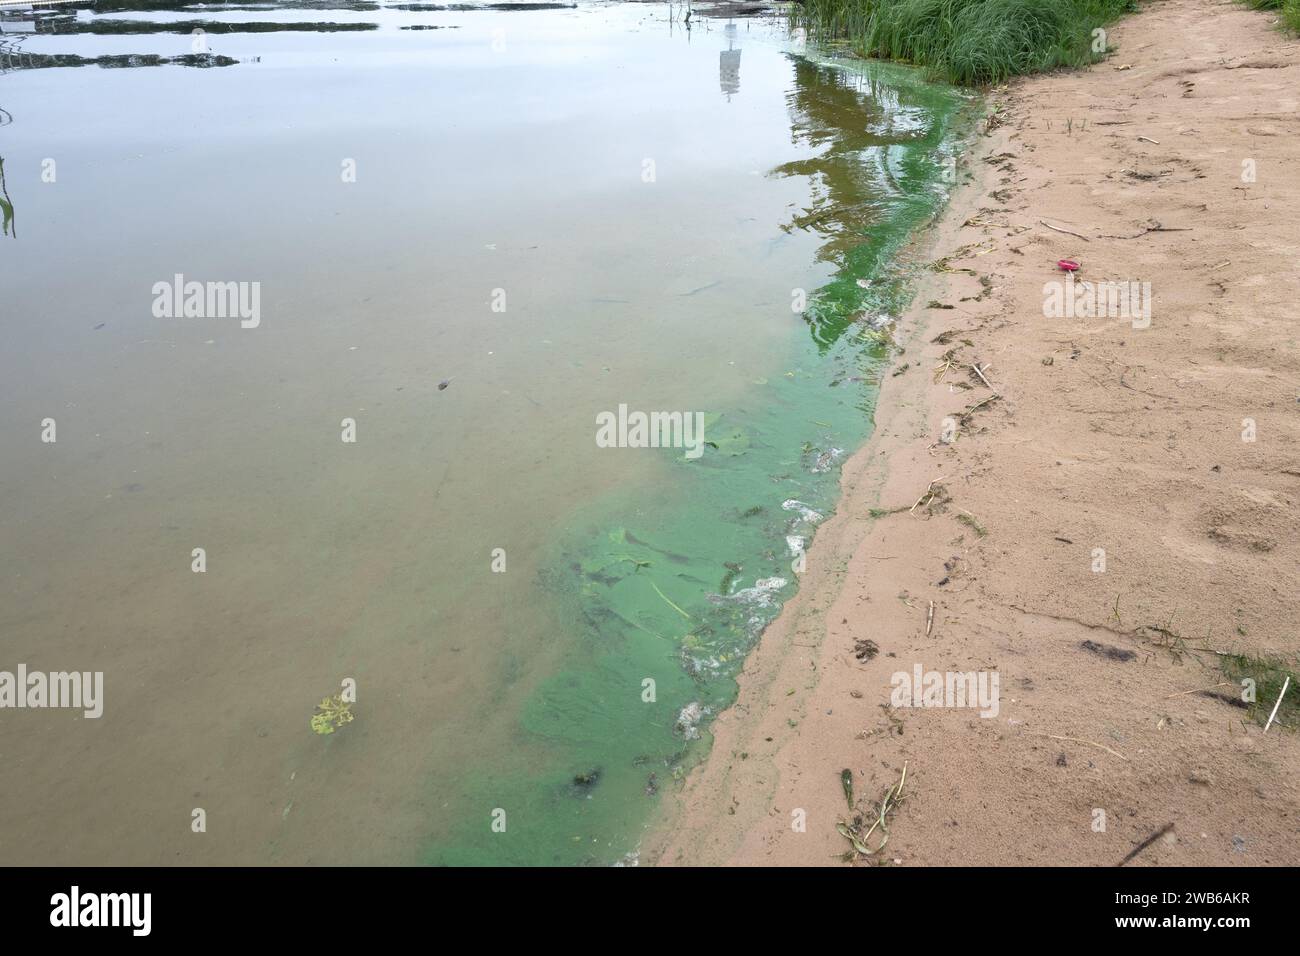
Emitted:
pixel 970 42
pixel 1289 10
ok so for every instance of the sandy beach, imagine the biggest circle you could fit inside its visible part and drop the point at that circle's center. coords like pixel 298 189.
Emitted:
pixel 1094 509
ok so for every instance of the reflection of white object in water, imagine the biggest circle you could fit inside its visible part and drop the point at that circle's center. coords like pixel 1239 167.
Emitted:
pixel 729 71
pixel 729 64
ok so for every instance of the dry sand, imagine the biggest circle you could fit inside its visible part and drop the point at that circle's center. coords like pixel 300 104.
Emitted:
pixel 1104 436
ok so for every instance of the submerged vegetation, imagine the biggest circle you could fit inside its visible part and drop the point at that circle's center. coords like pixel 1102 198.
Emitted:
pixel 971 42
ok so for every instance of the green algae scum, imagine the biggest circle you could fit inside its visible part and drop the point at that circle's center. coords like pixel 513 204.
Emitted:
pixel 666 587
pixel 472 234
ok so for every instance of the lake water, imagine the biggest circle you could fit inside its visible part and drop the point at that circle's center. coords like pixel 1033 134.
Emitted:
pixel 470 232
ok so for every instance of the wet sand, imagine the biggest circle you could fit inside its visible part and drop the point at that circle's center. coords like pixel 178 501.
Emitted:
pixel 1103 436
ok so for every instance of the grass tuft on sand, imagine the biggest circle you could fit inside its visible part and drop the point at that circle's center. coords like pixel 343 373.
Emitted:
pixel 1270 676
pixel 1289 9
pixel 970 42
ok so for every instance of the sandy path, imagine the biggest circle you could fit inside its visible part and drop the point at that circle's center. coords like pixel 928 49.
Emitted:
pixel 1129 440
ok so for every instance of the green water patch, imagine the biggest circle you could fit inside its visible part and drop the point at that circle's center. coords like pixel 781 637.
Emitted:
pixel 665 586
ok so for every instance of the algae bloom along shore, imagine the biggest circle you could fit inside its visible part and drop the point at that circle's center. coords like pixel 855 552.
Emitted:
pixel 535 434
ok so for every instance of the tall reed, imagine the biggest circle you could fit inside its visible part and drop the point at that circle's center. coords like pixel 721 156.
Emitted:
pixel 970 42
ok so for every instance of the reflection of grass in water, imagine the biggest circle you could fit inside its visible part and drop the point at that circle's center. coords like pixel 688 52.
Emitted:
pixel 874 182
pixel 43 61
pixel 187 27
pixel 6 205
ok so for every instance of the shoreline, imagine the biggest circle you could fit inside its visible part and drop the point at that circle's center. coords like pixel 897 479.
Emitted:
pixel 1105 436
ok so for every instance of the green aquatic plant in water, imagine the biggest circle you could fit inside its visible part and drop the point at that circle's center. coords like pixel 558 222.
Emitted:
pixel 331 714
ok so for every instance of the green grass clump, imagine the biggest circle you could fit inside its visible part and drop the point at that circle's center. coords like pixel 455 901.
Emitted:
pixel 1290 10
pixel 969 42
pixel 1269 675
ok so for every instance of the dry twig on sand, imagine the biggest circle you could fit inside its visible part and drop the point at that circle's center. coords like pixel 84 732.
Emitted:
pixel 889 802
pixel 1199 690
pixel 980 372
pixel 929 493
pixel 966 414
pixel 1153 226
pixel 1059 229
pixel 1146 843
pixel 1091 743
